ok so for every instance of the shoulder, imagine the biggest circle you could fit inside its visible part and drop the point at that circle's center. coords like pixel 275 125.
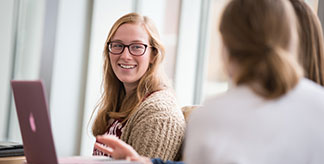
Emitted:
pixel 307 87
pixel 306 93
pixel 160 105
pixel 162 100
pixel 236 98
pixel 224 109
pixel 161 95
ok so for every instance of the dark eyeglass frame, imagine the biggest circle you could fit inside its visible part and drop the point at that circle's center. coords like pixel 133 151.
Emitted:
pixel 125 45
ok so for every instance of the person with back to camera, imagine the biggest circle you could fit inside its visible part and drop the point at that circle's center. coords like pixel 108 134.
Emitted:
pixel 311 48
pixel 137 106
pixel 272 115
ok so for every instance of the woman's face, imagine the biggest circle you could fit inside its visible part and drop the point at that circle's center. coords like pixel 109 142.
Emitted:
pixel 127 67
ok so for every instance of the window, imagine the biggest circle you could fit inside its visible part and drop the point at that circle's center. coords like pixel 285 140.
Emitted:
pixel 211 77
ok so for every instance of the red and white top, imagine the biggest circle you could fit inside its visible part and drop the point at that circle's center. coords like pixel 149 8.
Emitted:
pixel 114 129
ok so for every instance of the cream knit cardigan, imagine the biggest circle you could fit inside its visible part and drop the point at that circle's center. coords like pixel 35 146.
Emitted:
pixel 156 129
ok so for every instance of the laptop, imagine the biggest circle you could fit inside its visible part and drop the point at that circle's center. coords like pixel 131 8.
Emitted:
pixel 35 128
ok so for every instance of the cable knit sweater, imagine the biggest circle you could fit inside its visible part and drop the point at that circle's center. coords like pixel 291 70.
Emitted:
pixel 157 128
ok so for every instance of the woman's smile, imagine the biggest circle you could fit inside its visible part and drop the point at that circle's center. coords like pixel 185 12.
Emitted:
pixel 127 66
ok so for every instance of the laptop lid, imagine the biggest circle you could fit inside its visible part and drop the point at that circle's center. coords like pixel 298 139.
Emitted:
pixel 34 121
pixel 35 127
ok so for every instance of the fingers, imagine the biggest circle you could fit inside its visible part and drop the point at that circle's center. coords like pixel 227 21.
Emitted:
pixel 103 148
pixel 111 141
pixel 117 148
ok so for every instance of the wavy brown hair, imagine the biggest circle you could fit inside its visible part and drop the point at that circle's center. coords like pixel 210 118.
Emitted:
pixel 114 103
pixel 311 50
pixel 258 35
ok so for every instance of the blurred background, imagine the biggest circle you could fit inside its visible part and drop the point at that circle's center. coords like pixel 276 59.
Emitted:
pixel 61 43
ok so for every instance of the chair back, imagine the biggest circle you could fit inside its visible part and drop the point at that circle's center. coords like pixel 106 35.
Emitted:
pixel 186 110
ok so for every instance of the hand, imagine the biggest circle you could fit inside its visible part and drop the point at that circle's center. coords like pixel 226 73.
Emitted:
pixel 119 149
pixel 115 147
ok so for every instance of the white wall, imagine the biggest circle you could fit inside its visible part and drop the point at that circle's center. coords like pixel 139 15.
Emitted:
pixel 6 44
pixel 69 71
pixel 187 54
pixel 27 51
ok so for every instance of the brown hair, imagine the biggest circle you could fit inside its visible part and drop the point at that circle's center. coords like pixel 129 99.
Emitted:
pixel 258 37
pixel 114 103
pixel 311 50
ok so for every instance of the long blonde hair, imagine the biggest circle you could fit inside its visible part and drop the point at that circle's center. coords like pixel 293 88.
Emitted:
pixel 311 53
pixel 258 37
pixel 114 103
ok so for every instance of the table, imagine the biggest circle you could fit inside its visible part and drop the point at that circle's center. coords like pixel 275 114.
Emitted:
pixel 12 160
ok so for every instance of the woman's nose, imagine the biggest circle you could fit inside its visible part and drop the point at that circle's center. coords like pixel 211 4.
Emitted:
pixel 126 54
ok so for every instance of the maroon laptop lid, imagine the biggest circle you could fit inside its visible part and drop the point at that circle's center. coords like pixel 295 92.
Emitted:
pixel 34 121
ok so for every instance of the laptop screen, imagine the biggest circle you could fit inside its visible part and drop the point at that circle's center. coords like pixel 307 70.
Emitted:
pixel 35 127
pixel 34 121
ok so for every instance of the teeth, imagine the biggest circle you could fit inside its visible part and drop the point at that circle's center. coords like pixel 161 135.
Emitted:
pixel 127 66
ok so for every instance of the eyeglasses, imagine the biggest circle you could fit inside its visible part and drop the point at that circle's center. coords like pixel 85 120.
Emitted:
pixel 136 49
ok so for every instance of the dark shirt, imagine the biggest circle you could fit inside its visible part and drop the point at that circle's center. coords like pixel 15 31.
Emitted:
pixel 159 161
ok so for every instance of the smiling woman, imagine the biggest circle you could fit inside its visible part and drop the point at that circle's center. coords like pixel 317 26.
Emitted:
pixel 129 66
pixel 137 105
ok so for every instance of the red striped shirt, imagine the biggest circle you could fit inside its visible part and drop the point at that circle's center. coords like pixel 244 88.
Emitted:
pixel 114 129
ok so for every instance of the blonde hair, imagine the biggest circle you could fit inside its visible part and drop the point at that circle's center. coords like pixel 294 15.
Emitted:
pixel 114 103
pixel 311 50
pixel 258 36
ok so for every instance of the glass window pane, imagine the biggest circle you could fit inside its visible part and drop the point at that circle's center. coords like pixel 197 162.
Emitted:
pixel 215 81
pixel 165 14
